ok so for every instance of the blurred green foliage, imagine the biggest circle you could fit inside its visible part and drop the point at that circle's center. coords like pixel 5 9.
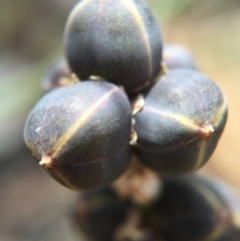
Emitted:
pixel 166 9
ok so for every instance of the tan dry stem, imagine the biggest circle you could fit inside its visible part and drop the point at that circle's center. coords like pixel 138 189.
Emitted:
pixel 138 183
pixel 134 135
pixel 164 69
pixel 74 78
pixel 96 78
pixel 133 138
pixel 69 80
pixel 138 104
pixel 130 230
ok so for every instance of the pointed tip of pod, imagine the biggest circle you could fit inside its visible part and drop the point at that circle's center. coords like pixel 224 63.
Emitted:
pixel 46 161
pixel 207 130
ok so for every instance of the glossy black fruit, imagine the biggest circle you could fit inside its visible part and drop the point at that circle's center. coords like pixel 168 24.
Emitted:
pixel 182 119
pixel 195 208
pixel 99 213
pixel 119 40
pixel 176 56
pixel 80 134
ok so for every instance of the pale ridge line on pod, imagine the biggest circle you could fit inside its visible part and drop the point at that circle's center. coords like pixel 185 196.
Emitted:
pixel 46 162
pixel 177 146
pixel 75 11
pixel 203 145
pixel 214 201
pixel 79 123
pixel 201 154
pixel 219 115
pixel 202 148
pixel 132 9
pixel 206 130
pixel 208 195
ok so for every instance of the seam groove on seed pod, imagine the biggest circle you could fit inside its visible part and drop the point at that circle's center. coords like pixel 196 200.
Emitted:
pixel 46 162
pixel 201 155
pixel 217 231
pixel 184 144
pixel 203 145
pixel 79 123
pixel 140 24
pixel 191 124
pixel 57 175
pixel 76 10
pixel 61 179
pixel 215 202
pixel 222 110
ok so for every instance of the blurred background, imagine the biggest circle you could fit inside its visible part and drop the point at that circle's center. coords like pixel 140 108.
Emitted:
pixel 32 205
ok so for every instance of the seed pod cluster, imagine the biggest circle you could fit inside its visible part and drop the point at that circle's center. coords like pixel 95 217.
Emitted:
pixel 190 208
pixel 195 208
pixel 83 134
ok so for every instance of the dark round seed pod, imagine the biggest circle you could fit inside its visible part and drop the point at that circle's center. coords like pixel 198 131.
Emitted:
pixel 99 213
pixel 182 119
pixel 176 56
pixel 192 208
pixel 58 74
pixel 119 40
pixel 80 134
